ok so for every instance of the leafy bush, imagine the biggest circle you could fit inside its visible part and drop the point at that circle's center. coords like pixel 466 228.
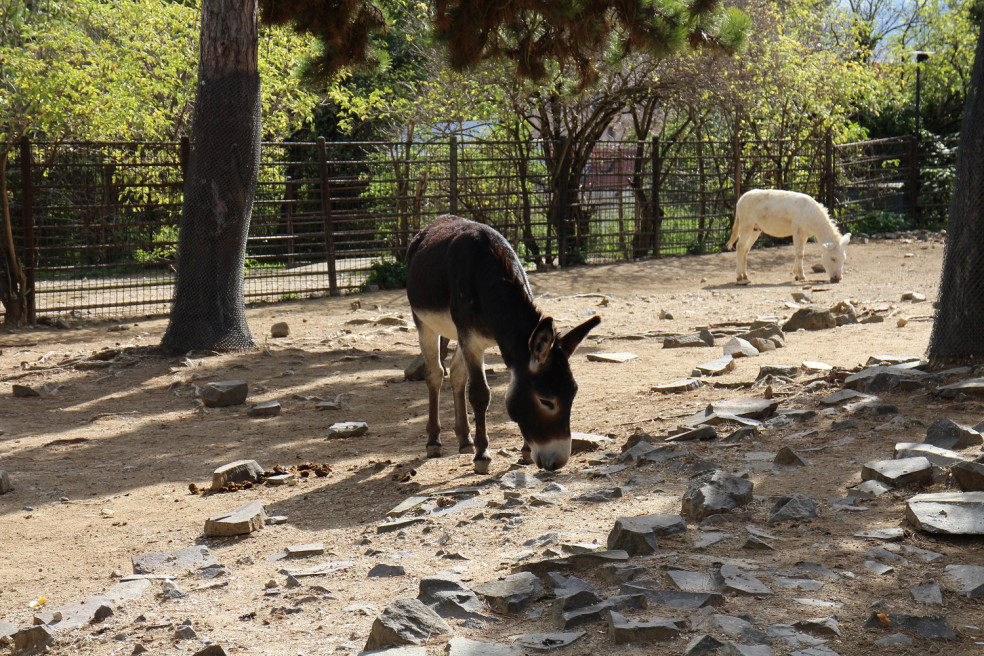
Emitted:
pixel 879 221
pixel 387 274
pixel 165 246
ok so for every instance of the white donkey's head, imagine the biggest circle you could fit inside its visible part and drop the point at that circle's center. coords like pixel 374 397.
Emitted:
pixel 834 256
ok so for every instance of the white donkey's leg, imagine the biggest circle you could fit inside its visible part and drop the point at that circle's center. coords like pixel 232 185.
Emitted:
pixel 745 241
pixel 799 247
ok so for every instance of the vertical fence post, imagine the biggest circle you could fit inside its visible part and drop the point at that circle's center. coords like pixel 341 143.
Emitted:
pixel 736 164
pixel 184 154
pixel 453 175
pixel 656 237
pixel 30 253
pixel 913 195
pixel 829 174
pixel 289 216
pixel 327 218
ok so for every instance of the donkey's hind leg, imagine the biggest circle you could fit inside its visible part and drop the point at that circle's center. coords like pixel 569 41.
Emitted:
pixel 459 382
pixel 434 377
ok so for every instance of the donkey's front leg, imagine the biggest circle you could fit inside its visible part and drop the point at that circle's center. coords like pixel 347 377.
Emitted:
pixel 799 247
pixel 459 381
pixel 478 396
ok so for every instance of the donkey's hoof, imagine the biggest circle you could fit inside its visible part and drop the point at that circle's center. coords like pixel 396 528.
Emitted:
pixel 743 281
pixel 526 458
pixel 482 466
pixel 433 450
pixel 466 448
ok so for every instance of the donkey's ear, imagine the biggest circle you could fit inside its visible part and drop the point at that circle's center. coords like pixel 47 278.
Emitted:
pixel 573 337
pixel 541 343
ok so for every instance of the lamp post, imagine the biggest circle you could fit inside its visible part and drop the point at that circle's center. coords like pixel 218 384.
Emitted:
pixel 921 56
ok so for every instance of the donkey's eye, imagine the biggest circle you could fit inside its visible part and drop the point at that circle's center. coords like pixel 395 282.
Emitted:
pixel 548 405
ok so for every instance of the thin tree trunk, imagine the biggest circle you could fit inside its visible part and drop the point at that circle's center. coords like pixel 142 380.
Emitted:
pixel 208 311
pixel 957 333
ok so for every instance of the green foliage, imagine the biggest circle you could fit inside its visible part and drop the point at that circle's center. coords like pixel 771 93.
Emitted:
pixel 387 274
pixel 166 239
pixel 879 221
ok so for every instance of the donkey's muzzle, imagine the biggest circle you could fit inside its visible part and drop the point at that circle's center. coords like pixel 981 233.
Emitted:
pixel 552 455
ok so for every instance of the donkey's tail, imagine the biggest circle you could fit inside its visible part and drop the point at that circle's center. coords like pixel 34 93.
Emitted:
pixel 734 234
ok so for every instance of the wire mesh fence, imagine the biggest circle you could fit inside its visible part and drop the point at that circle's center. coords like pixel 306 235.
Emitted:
pixel 96 224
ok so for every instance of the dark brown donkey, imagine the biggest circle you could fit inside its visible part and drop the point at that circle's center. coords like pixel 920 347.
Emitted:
pixel 466 283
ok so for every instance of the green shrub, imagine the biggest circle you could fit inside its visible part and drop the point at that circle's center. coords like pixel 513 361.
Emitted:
pixel 879 221
pixel 387 274
pixel 165 248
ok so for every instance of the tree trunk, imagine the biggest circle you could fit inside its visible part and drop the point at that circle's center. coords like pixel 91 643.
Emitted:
pixel 13 282
pixel 208 310
pixel 957 333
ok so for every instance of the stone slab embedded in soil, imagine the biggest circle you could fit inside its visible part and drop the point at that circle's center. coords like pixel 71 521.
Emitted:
pixel 970 387
pixel 905 472
pixel 680 599
pixel 617 358
pixel 966 580
pixel 926 626
pixel 174 562
pixel 547 641
pixel 936 455
pixel 406 621
pixel 718 366
pixel 32 639
pixel 684 341
pixel 241 521
pixel 928 594
pixel 65 618
pixel 5 485
pixel 736 581
pixel 737 347
pixel 948 434
pixel 466 647
pixel 236 472
pixel 584 442
pixel 639 535
pixel 793 507
pixel 224 393
pixel 951 513
pixel 969 476
pixel 24 391
pixel 694 582
pixel 511 594
pixel 677 386
pixel 702 645
pixel 265 409
pixel 714 493
pixel 623 630
pixel 343 429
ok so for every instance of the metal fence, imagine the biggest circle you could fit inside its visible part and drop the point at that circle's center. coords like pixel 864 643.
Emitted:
pixel 96 223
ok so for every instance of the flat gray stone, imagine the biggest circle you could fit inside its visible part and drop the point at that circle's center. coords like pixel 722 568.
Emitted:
pixel 894 640
pixel 936 455
pixel 7 628
pixel 405 622
pixel 639 535
pixel 736 581
pixel 752 408
pixel 224 393
pixel 680 599
pixel 927 626
pixel 695 582
pixel 904 472
pixel 547 641
pixel 922 555
pixel 701 645
pixel 614 358
pixel 969 387
pixel 382 570
pixel 718 366
pixel 737 649
pixel 966 580
pixel 869 490
pixel 844 395
pixel 826 628
pixel 415 370
pixel 123 591
pixel 174 562
pixel 685 341
pixel 888 534
pixel 778 371
pixel 948 434
pixel 872 380
pixel 928 594
pixel 407 505
pixel 466 647
pixel 399 524
pixel 265 409
pixel 65 618
pixel 737 347
pixel 951 513
pixel 969 476
pixel 32 639
pixel 585 442
pixel 344 429
pixel 5 485
pixel 678 386
pixel 238 471
pixel 624 631
pixel 241 521
pixel 519 480
pixel 511 594
pixel 810 319
pixel 797 583
pixel 715 493
pixel 701 433
pixel 795 507
pixel 786 457
pixel 24 391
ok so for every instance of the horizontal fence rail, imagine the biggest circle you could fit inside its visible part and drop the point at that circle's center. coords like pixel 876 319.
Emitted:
pixel 96 224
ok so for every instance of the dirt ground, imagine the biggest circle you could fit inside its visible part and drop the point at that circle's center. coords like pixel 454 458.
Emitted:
pixel 101 462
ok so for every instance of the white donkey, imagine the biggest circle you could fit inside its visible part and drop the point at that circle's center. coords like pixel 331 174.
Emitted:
pixel 783 213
